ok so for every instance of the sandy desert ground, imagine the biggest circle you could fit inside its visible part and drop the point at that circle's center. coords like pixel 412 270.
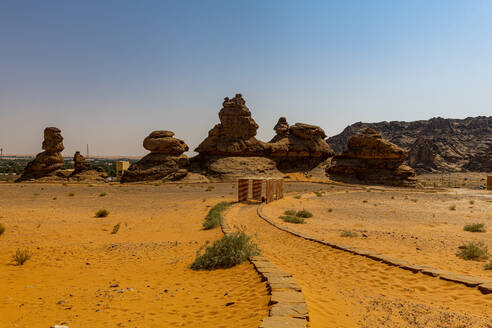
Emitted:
pixel 84 276
pixel 76 259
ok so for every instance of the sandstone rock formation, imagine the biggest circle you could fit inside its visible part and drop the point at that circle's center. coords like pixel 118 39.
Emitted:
pixel 83 171
pixel 299 147
pixel 50 161
pixel 457 145
pixel 371 159
pixel 165 161
pixel 235 134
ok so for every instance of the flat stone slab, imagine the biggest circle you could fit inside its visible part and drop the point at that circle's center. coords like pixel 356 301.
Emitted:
pixel 272 275
pixel 462 279
pixel 286 297
pixel 295 310
pixel 434 272
pixel 411 267
pixel 486 288
pixel 282 322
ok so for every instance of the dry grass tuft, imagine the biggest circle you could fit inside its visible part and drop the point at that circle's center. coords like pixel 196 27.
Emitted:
pixel 475 227
pixel 102 213
pixel 475 251
pixel 21 256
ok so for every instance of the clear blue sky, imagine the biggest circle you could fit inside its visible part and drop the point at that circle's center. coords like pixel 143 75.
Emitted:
pixel 109 72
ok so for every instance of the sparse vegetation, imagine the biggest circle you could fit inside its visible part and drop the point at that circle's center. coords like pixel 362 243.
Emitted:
pixel 472 202
pixel 102 213
pixel 364 201
pixel 71 194
pixel 330 210
pixel 21 256
pixel 115 229
pixel 102 194
pixel 292 219
pixel 318 193
pixel 488 266
pixel 2 229
pixel 349 233
pixel 452 207
pixel 214 216
pixel 475 251
pixel 297 197
pixel 230 250
pixel 304 214
pixel 290 212
pixel 474 227
pixel 210 188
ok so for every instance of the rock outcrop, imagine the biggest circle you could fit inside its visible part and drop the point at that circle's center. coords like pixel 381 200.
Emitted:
pixel 48 163
pixel 235 134
pixel 447 144
pixel 373 160
pixel 166 160
pixel 299 147
pixel 83 170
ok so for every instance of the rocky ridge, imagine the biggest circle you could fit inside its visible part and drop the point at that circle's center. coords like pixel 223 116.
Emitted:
pixel 437 144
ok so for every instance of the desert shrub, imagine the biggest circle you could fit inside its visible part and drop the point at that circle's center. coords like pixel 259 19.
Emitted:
pixel 475 251
pixel 230 250
pixel 115 229
pixel 318 193
pixel 475 227
pixel 348 233
pixel 330 210
pixel 290 212
pixel 364 201
pixel 297 197
pixel 488 266
pixel 452 207
pixel 71 194
pixel 292 219
pixel 2 229
pixel 304 214
pixel 472 202
pixel 392 197
pixel 21 256
pixel 102 213
pixel 210 188
pixel 102 194
pixel 214 216
pixel 157 184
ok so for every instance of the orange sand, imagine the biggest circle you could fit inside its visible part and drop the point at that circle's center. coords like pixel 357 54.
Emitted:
pixel 416 226
pixel 346 290
pixel 76 259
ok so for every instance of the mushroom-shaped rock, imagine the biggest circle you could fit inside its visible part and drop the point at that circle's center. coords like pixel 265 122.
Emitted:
pixel 50 161
pixel 371 159
pixel 166 160
pixel 83 170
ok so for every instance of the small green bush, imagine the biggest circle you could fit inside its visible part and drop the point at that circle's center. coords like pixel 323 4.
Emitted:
pixel 102 213
pixel 452 207
pixel 475 227
pixel 318 193
pixel 290 212
pixel 210 188
pixel 488 266
pixel 292 219
pixel 348 233
pixel 115 229
pixel 2 229
pixel 304 214
pixel 230 250
pixel 297 197
pixel 475 251
pixel 102 194
pixel 214 216
pixel 21 256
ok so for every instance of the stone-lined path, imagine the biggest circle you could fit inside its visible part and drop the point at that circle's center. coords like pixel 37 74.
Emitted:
pixel 346 290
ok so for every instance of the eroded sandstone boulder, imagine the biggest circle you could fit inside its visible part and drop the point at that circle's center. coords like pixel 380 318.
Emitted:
pixel 299 147
pixel 83 170
pixel 49 162
pixel 235 134
pixel 371 159
pixel 166 160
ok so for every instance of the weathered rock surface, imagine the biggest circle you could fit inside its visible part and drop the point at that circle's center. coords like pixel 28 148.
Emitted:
pixel 299 147
pixel 48 163
pixel 165 161
pixel 437 144
pixel 371 159
pixel 235 134
pixel 83 171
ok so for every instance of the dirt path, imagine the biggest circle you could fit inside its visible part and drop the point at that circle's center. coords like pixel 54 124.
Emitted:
pixel 345 290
